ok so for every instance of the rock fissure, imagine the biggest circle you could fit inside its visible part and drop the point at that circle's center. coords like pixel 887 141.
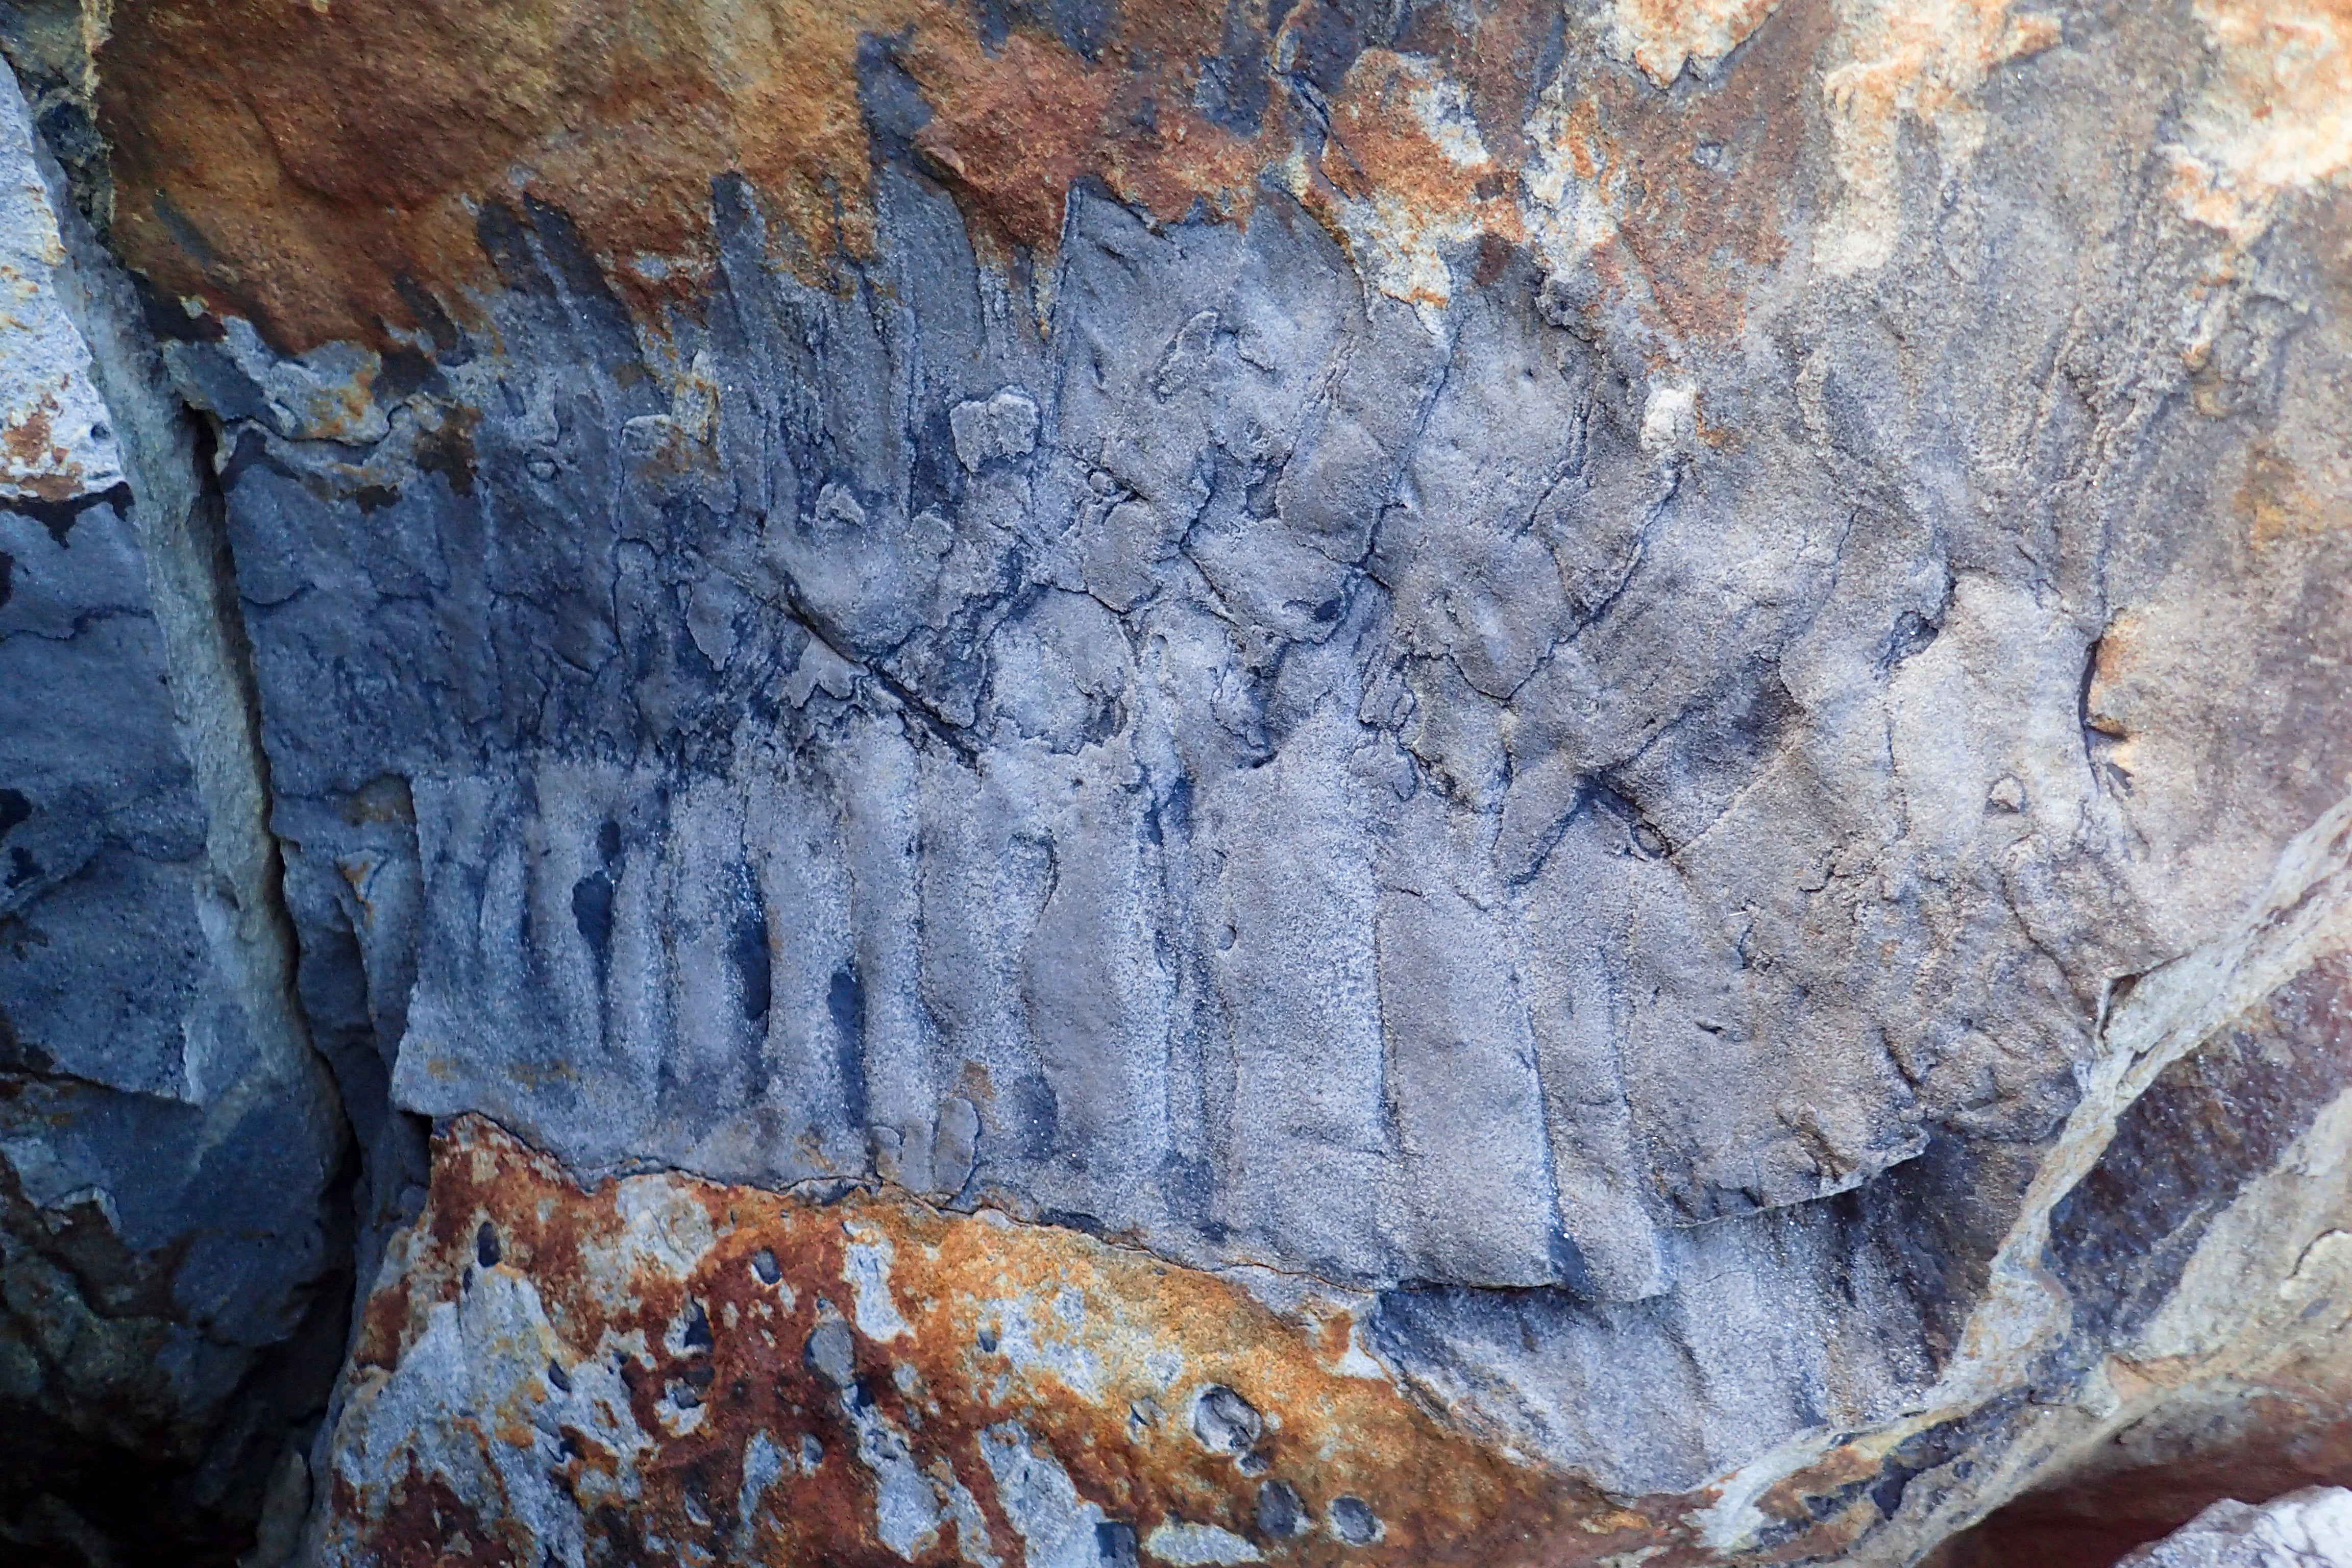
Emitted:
pixel 206 1378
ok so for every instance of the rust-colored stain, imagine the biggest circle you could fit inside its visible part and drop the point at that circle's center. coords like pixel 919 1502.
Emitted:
pixel 747 1376
pixel 429 1526
pixel 1703 188
pixel 32 461
pixel 2116 662
pixel 313 167
pixel 1660 36
pixel 1715 177
pixel 1011 133
pixel 1501 55
pixel 1384 150
pixel 2278 502
pixel 325 170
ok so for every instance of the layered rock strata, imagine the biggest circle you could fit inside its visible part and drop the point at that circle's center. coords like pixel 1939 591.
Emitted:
pixel 1206 784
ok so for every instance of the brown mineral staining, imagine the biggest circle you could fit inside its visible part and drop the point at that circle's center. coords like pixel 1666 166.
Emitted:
pixel 32 461
pixel 326 170
pixel 745 1322
pixel 428 1526
pixel 1013 131
pixel 1013 139
pixel 1662 35
pixel 313 167
pixel 1822 1511
pixel 1711 179
pixel 300 164
pixel 1387 139
pixel 1501 57
pixel 1405 173
pixel 2113 659
pixel 1925 62
pixel 383 1322
pixel 1695 192
pixel 2279 503
pixel 2275 115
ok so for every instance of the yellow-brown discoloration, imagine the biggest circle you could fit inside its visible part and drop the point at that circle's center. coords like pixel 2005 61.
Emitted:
pixel 948 1328
pixel 1704 229
pixel 1681 205
pixel 1921 61
pixel 2276 116
pixel 2116 690
pixel 1013 132
pixel 2278 501
pixel 1498 56
pixel 1663 36
pixel 323 171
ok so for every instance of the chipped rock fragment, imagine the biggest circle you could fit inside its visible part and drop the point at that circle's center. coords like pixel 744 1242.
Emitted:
pixel 2306 1529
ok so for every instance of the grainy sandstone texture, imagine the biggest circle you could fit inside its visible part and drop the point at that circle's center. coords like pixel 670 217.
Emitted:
pixel 1390 781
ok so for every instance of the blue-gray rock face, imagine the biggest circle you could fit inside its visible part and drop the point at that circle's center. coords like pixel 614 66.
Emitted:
pixel 1619 679
pixel 173 1263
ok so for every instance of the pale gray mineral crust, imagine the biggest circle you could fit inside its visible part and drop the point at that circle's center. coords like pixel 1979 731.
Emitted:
pixel 2309 1529
pixel 1646 701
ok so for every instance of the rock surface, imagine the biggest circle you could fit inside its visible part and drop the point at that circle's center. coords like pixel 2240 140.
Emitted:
pixel 173 1257
pixel 2313 1528
pixel 1595 757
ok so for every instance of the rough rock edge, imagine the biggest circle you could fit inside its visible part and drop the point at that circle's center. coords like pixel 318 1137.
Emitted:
pixel 175 508
pixel 2303 915
pixel 615 1337
pixel 2307 1528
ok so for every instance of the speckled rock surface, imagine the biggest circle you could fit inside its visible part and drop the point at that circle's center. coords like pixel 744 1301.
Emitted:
pixel 1645 700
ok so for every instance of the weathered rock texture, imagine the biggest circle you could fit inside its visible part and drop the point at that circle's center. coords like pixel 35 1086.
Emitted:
pixel 173 1252
pixel 2313 1528
pixel 1192 782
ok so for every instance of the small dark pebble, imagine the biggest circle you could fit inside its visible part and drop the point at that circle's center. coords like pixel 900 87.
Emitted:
pixel 1281 1511
pixel 1353 1521
pixel 1224 1422
pixel 1115 1543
